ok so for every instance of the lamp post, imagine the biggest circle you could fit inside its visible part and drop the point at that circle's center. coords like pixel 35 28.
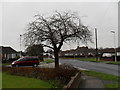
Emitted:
pixel 114 46
pixel 20 45
pixel 96 44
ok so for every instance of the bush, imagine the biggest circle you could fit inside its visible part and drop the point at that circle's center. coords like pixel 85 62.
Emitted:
pixel 63 73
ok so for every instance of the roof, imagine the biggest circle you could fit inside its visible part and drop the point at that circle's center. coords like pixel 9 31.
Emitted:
pixel 84 50
pixel 7 50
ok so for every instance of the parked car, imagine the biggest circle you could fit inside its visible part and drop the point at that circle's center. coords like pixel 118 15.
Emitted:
pixel 26 61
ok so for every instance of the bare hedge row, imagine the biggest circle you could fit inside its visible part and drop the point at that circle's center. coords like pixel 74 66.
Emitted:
pixel 63 74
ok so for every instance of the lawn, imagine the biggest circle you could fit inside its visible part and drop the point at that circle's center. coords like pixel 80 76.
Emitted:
pixel 48 61
pixel 0 79
pixel 116 63
pixel 92 59
pixel 104 76
pixel 88 59
pixel 3 64
pixel 112 85
pixel 12 81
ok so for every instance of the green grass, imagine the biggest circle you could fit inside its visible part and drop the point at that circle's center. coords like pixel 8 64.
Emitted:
pixel 12 81
pixel 97 61
pixel 87 59
pixel 83 58
pixel 112 85
pixel 91 59
pixel 103 76
pixel 117 63
pixel 5 64
pixel 48 61
pixel 0 79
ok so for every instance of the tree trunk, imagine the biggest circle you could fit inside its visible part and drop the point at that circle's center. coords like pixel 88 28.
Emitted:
pixel 56 58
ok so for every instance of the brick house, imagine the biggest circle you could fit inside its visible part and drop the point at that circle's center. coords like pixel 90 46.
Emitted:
pixel 79 51
pixel 7 53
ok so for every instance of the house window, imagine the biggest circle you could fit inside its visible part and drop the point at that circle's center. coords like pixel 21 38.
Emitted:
pixel 81 54
pixel 13 55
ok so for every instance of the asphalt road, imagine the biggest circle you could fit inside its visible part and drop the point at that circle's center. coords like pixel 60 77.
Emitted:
pixel 99 67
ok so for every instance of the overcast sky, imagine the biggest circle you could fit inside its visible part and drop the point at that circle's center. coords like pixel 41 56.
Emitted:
pixel 100 15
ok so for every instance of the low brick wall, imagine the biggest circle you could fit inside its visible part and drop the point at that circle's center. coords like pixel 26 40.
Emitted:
pixel 74 82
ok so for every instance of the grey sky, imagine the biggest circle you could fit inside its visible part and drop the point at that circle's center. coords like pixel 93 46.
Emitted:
pixel 100 15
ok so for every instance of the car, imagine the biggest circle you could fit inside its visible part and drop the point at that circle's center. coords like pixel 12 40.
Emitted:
pixel 26 61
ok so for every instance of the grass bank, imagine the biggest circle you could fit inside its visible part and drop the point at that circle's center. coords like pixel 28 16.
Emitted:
pixel 103 76
pixel 48 61
pixel 112 85
pixel 91 59
pixel 12 81
pixel 116 63
pixel 56 77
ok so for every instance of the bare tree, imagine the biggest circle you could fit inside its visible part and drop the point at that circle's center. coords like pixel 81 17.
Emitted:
pixel 53 31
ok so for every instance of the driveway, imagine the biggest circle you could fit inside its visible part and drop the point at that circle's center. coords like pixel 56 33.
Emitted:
pixel 99 67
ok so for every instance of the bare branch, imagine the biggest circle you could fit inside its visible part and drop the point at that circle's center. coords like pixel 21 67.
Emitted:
pixel 56 29
pixel 47 46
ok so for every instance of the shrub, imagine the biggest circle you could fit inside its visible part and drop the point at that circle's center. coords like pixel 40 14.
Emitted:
pixel 63 73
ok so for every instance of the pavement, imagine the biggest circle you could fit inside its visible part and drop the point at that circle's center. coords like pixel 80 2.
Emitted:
pixel 47 65
pixel 91 82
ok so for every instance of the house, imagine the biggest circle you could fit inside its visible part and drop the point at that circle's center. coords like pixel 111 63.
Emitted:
pixel 109 52
pixel 7 53
pixel 78 52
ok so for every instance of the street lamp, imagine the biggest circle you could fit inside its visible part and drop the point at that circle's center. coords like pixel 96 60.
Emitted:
pixel 20 45
pixel 96 44
pixel 114 46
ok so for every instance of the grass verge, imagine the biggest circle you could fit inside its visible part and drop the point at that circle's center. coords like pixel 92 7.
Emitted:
pixel 12 81
pixel 91 59
pixel 3 64
pixel 87 59
pixel 48 61
pixel 112 85
pixel 116 63
pixel 104 76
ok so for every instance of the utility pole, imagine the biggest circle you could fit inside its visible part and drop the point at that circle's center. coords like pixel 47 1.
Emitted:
pixel 115 46
pixel 96 44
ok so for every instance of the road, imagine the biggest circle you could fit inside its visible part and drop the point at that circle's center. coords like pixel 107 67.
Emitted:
pixel 99 67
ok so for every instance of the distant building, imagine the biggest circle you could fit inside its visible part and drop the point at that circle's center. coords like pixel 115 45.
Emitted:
pixel 7 53
pixel 79 51
pixel 109 52
pixel 86 52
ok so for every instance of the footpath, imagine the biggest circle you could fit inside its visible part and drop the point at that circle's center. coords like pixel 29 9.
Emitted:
pixel 91 82
pixel 47 65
